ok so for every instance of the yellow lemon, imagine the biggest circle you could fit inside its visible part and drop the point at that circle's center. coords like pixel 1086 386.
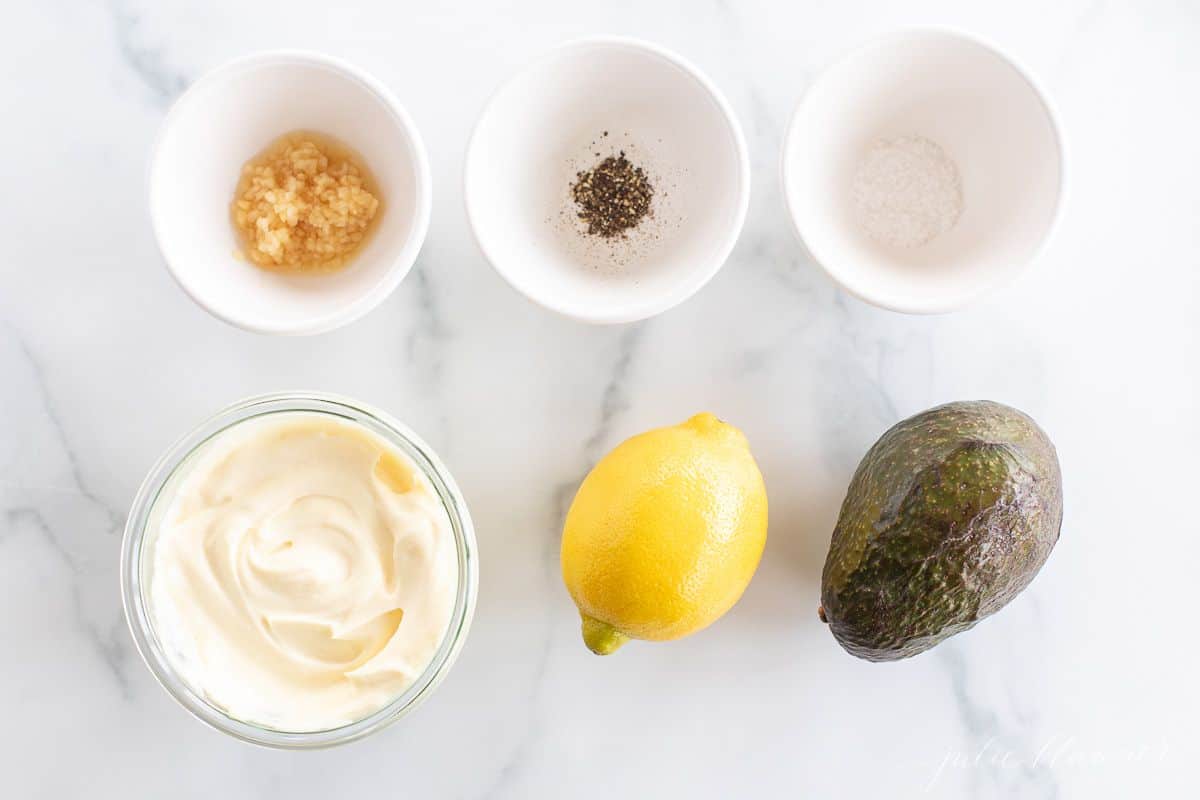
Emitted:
pixel 664 534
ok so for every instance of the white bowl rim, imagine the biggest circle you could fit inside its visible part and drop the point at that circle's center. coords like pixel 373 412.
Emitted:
pixel 684 289
pixel 421 212
pixel 951 303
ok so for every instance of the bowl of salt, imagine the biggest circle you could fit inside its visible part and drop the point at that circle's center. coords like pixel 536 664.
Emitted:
pixel 923 170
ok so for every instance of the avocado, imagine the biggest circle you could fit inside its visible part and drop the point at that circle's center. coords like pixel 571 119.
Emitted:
pixel 947 518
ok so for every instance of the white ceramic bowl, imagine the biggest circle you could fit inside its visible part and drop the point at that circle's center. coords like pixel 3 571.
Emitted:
pixel 229 116
pixel 987 114
pixel 549 121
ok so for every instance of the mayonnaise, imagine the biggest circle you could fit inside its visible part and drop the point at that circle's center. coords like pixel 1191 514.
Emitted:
pixel 304 572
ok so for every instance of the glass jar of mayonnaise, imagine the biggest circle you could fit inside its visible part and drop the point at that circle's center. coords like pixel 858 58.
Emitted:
pixel 299 571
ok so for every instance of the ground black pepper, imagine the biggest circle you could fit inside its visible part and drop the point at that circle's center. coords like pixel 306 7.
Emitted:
pixel 612 197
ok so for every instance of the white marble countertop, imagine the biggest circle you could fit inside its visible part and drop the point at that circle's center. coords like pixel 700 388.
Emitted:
pixel 1083 688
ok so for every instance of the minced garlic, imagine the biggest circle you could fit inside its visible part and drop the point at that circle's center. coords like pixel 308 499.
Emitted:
pixel 305 204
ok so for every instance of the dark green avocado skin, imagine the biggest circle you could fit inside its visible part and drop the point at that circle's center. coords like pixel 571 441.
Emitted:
pixel 947 518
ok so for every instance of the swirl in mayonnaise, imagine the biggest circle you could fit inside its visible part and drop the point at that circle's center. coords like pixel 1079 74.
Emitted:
pixel 304 572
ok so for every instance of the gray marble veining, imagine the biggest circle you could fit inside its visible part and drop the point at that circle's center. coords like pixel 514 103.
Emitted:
pixel 1082 688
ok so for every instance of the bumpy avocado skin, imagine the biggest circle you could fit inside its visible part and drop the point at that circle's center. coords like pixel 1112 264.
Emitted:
pixel 948 517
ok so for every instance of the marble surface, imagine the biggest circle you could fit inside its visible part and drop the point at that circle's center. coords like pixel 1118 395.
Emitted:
pixel 1082 688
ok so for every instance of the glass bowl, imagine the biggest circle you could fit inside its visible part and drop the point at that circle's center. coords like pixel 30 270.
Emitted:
pixel 141 531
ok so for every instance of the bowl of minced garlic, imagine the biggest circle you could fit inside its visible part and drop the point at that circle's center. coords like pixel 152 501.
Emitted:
pixel 289 192
pixel 306 203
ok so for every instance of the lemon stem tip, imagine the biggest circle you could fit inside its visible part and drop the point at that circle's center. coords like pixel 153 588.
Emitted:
pixel 601 638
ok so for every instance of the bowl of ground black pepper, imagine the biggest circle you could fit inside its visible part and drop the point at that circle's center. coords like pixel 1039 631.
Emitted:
pixel 608 180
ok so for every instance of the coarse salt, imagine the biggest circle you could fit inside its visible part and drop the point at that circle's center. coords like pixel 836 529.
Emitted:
pixel 907 192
